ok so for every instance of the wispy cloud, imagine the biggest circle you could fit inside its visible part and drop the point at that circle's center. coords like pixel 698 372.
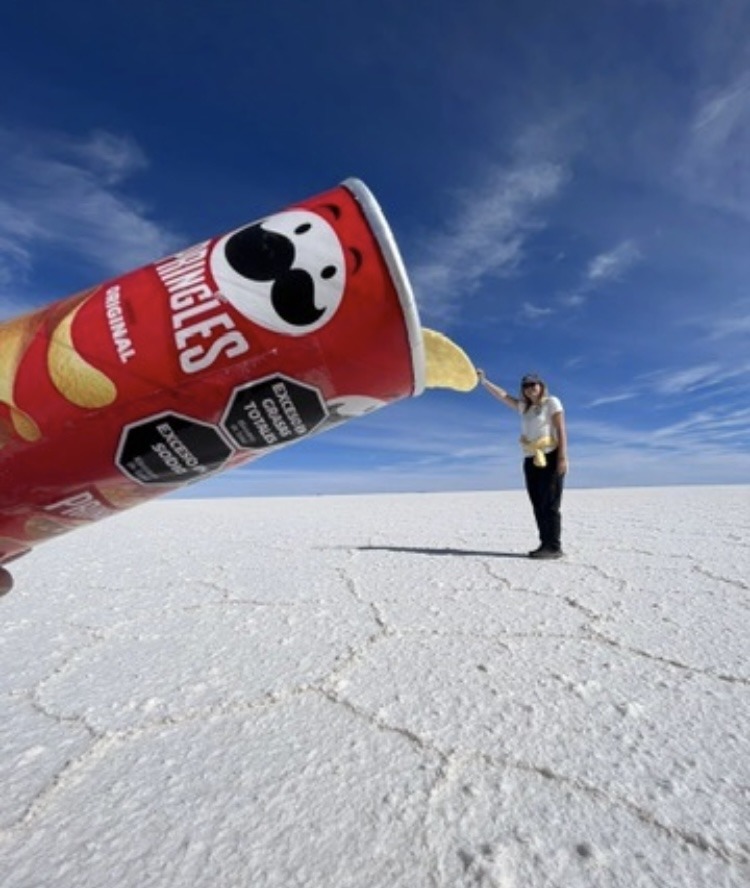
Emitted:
pixel 720 424
pixel 605 268
pixel 531 312
pixel 708 445
pixel 67 194
pixel 715 166
pixel 731 324
pixel 611 266
pixel 686 380
pixel 489 227
pixel 612 399
pixel 710 380
pixel 693 379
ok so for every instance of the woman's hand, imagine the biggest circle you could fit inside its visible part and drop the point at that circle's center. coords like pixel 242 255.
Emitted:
pixel 562 465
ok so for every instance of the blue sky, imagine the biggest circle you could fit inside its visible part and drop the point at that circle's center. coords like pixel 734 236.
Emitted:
pixel 569 185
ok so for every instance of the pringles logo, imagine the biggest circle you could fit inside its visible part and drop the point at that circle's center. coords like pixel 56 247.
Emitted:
pixel 202 328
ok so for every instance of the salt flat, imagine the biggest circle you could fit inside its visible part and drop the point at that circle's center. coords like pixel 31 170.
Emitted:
pixel 382 691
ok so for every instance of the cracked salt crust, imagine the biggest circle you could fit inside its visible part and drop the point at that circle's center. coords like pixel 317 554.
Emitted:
pixel 382 691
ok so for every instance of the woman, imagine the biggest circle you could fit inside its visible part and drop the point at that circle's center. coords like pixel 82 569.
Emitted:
pixel 545 444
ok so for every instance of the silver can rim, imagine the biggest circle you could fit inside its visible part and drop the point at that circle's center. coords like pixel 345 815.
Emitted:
pixel 393 260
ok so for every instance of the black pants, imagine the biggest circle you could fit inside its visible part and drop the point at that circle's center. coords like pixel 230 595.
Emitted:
pixel 545 488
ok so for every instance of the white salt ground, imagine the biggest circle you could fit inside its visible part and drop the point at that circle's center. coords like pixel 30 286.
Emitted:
pixel 376 692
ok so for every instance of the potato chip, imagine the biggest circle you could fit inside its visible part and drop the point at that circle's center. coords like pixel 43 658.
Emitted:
pixel 40 527
pixel 72 375
pixel 446 364
pixel 15 337
pixel 24 425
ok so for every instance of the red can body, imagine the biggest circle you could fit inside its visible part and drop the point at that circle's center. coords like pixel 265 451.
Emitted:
pixel 200 362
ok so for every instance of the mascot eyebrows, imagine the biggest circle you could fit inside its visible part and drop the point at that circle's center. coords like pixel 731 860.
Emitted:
pixel 333 209
pixel 336 212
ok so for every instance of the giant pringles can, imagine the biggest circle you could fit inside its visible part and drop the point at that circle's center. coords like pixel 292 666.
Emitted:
pixel 203 361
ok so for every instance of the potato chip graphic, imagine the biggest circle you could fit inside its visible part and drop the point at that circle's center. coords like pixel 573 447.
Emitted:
pixel 446 364
pixel 77 381
pixel 40 527
pixel 15 337
pixel 24 425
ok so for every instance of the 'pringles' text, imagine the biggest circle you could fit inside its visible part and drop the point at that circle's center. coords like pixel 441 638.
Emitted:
pixel 203 330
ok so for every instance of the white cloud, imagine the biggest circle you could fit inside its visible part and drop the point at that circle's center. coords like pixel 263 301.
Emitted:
pixel 62 193
pixel 706 447
pixel 718 424
pixel 487 233
pixel 730 325
pixel 572 300
pixel 604 268
pixel 692 379
pixel 113 157
pixel 612 265
pixel 531 312
pixel 715 166
pixel 613 399
pixel 685 380
pixel 643 466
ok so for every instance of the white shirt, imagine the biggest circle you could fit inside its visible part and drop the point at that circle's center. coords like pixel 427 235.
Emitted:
pixel 536 422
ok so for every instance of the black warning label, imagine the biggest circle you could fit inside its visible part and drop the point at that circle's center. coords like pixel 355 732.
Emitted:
pixel 273 412
pixel 171 449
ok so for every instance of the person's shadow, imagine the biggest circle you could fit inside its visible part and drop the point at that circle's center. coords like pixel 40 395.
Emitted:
pixel 423 550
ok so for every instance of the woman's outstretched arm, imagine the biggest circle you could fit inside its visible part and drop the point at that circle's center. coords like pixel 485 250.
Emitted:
pixel 497 392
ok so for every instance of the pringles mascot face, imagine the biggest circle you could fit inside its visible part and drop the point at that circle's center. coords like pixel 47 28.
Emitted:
pixel 286 273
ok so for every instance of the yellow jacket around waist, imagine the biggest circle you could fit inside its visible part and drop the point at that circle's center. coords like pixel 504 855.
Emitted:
pixel 537 447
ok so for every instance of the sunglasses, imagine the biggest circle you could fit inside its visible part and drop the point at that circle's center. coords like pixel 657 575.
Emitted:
pixel 530 385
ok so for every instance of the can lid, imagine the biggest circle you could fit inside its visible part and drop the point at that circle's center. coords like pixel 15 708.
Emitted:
pixel 387 243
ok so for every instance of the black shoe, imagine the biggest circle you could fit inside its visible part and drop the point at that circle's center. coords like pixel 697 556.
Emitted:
pixel 546 553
